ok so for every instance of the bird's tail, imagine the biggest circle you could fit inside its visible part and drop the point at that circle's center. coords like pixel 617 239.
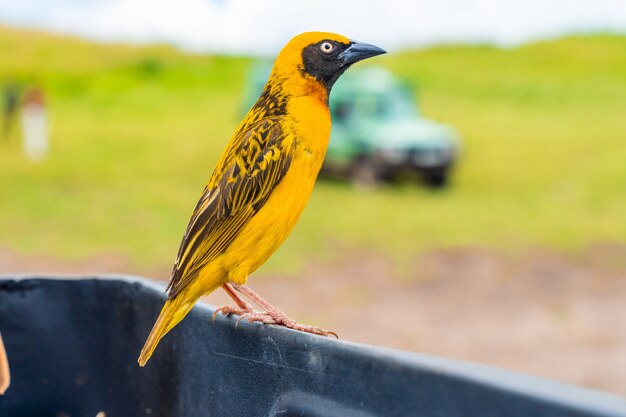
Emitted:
pixel 171 314
pixel 175 309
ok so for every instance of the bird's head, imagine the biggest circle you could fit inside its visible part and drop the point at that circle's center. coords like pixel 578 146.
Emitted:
pixel 321 57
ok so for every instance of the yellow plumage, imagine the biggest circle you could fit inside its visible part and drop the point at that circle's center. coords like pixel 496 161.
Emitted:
pixel 262 181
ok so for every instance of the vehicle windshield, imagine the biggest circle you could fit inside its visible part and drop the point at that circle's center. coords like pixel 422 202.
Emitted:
pixel 393 104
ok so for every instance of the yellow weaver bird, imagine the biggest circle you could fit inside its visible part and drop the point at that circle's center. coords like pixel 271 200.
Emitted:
pixel 260 184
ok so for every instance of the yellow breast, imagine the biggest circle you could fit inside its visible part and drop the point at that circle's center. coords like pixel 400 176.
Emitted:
pixel 309 127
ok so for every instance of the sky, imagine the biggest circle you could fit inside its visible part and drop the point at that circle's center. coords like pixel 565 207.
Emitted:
pixel 262 26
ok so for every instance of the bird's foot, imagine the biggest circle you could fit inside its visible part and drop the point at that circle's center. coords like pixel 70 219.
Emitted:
pixel 228 310
pixel 257 316
pixel 272 315
pixel 278 317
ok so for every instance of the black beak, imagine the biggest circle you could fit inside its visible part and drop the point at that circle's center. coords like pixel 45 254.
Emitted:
pixel 358 51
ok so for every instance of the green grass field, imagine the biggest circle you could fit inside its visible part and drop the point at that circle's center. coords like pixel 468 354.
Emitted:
pixel 136 132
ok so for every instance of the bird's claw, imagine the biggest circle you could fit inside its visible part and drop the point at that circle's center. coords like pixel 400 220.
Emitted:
pixel 287 322
pixel 256 316
pixel 228 310
pixel 314 330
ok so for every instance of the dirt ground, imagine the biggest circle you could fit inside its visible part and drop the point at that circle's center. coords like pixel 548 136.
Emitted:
pixel 542 312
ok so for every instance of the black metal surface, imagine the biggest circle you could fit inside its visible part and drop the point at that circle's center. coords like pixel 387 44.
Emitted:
pixel 73 345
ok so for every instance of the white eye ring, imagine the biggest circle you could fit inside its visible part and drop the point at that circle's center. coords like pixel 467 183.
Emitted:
pixel 327 47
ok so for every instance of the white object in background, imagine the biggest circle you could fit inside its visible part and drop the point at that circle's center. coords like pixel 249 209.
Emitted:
pixel 34 124
pixel 35 132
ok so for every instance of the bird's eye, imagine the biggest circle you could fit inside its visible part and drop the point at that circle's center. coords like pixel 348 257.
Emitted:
pixel 327 47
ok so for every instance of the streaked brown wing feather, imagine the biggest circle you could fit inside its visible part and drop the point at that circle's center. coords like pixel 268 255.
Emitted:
pixel 254 164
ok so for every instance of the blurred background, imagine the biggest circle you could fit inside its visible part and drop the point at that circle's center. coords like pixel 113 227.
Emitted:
pixel 115 112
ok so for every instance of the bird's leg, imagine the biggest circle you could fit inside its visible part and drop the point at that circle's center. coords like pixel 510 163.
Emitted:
pixel 242 306
pixel 272 315
pixel 228 287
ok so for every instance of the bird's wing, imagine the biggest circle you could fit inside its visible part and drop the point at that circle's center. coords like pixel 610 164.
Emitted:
pixel 254 164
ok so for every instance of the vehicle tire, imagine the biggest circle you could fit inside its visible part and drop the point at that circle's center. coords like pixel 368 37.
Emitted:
pixel 436 179
pixel 365 173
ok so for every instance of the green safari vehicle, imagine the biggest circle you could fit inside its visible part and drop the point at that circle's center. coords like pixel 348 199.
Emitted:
pixel 378 133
